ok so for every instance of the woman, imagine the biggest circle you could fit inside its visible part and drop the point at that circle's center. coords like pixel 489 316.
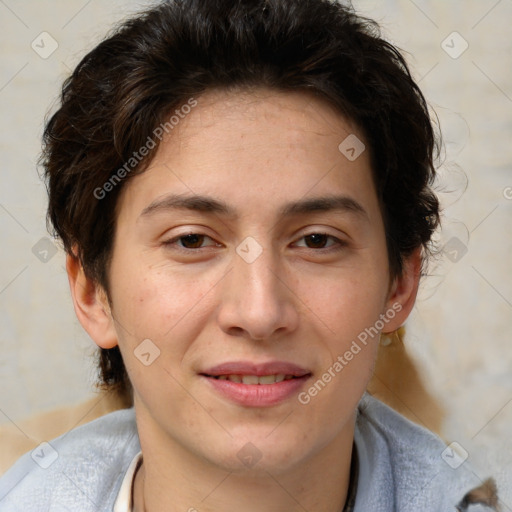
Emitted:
pixel 243 192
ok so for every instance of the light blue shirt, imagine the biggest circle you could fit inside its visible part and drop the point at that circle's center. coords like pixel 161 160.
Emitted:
pixel 402 467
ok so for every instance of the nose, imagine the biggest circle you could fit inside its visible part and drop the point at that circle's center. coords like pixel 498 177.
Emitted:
pixel 256 301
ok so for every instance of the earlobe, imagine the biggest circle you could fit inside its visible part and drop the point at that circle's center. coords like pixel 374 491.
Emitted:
pixel 91 305
pixel 403 291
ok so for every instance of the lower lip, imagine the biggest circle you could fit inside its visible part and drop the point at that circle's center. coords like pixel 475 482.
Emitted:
pixel 257 395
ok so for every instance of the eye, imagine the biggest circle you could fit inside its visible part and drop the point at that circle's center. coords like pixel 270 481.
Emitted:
pixel 321 241
pixel 191 241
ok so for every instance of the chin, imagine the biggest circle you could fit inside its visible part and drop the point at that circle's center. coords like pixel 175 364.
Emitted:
pixel 259 452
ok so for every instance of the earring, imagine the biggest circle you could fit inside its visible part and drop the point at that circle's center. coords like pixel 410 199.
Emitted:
pixel 396 336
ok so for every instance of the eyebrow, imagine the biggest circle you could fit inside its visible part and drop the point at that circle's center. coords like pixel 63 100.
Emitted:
pixel 211 205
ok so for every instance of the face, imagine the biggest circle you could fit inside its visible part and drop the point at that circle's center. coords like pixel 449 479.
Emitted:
pixel 252 256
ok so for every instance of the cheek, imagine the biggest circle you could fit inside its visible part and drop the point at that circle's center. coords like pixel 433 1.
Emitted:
pixel 347 303
pixel 349 353
pixel 154 302
pixel 168 309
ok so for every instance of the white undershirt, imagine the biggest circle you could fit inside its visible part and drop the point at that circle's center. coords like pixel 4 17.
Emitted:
pixel 124 501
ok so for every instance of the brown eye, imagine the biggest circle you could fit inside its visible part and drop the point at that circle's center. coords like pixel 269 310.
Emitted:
pixel 193 241
pixel 321 242
pixel 316 240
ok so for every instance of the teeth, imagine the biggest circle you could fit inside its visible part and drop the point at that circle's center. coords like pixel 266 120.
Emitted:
pixel 254 379
pixel 266 379
pixel 250 379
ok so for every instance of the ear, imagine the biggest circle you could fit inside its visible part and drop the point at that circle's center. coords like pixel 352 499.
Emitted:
pixel 403 291
pixel 91 305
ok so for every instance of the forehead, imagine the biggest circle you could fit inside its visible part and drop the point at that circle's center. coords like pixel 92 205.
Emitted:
pixel 257 149
pixel 261 118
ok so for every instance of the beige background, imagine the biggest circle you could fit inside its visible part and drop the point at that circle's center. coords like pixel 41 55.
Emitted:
pixel 461 329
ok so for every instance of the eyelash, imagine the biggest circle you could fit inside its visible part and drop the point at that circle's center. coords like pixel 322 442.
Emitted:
pixel 339 244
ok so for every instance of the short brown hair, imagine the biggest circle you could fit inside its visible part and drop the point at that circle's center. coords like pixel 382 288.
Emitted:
pixel 158 60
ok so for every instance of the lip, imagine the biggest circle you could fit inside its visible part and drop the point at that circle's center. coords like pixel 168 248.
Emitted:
pixel 256 395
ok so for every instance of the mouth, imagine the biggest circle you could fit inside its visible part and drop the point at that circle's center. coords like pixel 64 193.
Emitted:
pixel 254 379
pixel 256 385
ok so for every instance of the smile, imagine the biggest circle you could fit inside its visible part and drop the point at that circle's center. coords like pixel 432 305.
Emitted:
pixel 255 379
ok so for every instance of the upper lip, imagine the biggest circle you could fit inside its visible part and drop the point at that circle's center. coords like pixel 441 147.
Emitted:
pixel 258 369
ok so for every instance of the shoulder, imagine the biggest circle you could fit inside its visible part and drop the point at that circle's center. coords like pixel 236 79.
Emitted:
pixel 406 466
pixel 80 470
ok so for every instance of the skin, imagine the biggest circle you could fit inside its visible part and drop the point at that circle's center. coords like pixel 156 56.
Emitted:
pixel 299 301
